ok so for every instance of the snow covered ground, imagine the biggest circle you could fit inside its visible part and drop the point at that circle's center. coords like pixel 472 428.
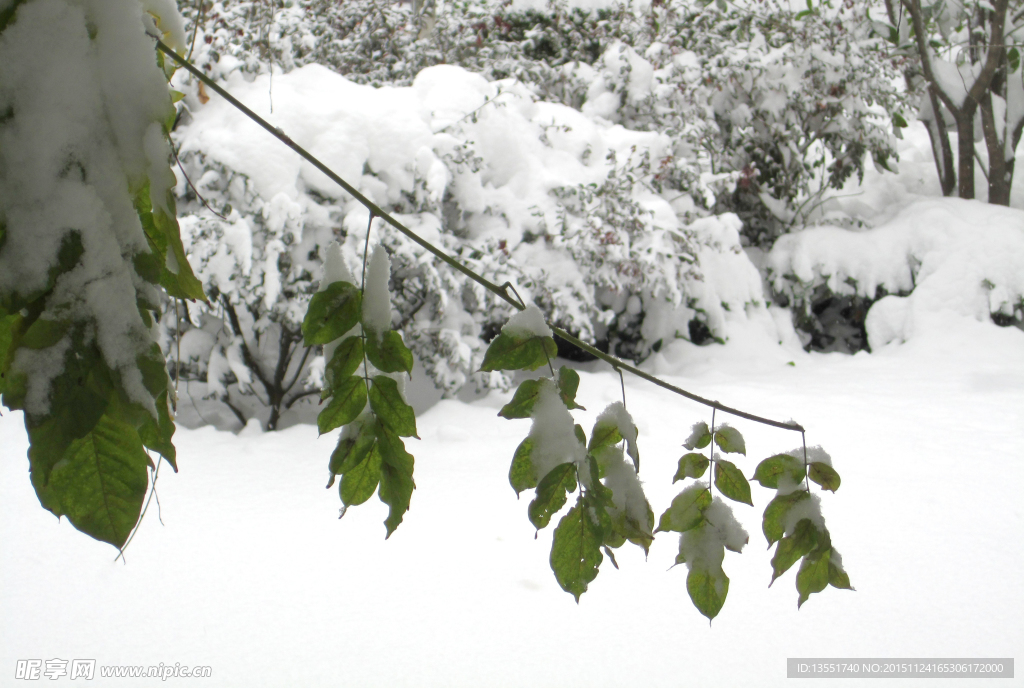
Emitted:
pixel 252 573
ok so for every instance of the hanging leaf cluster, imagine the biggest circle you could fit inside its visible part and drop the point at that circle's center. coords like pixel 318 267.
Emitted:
pixel 362 394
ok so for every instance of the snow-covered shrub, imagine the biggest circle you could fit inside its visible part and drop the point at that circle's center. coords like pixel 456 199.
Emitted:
pixel 934 256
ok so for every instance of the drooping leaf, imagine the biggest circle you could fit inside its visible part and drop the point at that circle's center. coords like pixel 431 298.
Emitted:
pixel 101 481
pixel 813 575
pixel 707 590
pixel 359 482
pixel 824 475
pixel 686 510
pixel 389 354
pixel 775 512
pixel 351 451
pixel 157 433
pixel 521 475
pixel 506 352
pixel 348 402
pixel 551 494
pixel 837 577
pixel 700 437
pixel 576 549
pixel 792 547
pixel 568 384
pixel 691 465
pixel 730 481
pixel 396 483
pixel 605 434
pixel 344 362
pixel 331 313
pixel 523 400
pixel 771 469
pixel 730 440
pixel 43 333
pixel 387 402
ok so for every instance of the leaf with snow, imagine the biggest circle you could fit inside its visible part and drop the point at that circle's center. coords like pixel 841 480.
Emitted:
pixel 357 440
pixel 823 474
pixel 775 514
pixel 686 510
pixel 331 313
pixel 813 574
pixel 387 352
pixel 691 465
pixel 700 437
pixel 731 483
pixel 551 494
pixel 347 402
pixel 506 352
pixel 612 426
pixel 576 548
pixel 389 406
pixel 768 471
pixel 730 440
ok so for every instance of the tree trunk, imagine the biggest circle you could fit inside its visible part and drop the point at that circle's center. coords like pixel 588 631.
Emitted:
pixel 1000 170
pixel 965 148
pixel 942 152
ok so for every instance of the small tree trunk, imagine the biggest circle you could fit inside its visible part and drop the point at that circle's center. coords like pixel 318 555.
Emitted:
pixel 942 152
pixel 965 148
pixel 999 173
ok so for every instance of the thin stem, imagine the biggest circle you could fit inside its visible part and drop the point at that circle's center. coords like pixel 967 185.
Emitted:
pixel 501 292
pixel 362 295
pixel 807 483
pixel 711 454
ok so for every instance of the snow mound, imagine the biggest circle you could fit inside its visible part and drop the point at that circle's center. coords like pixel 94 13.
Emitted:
pixel 938 255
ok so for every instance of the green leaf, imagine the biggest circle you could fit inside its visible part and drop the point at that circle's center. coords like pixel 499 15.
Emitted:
pixel 775 512
pixel 837 577
pixel 792 547
pixel 686 510
pixel 10 326
pixel 707 590
pixel 387 402
pixel 101 481
pixel 359 482
pixel 344 362
pixel 156 433
pixel 576 549
pixel 730 481
pixel 389 355
pixel 812 576
pixel 331 313
pixel 515 353
pixel 42 334
pixel 605 434
pixel 700 437
pixel 396 483
pixel 522 475
pixel 824 475
pixel 1013 59
pixel 730 440
pixel 568 384
pixel 691 465
pixel 771 469
pixel 523 400
pixel 352 450
pixel 348 402
pixel 898 121
pixel 551 494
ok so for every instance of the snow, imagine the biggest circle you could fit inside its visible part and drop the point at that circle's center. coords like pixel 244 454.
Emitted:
pixel 77 150
pixel 553 433
pixel 527 323
pixel 376 294
pixel 617 415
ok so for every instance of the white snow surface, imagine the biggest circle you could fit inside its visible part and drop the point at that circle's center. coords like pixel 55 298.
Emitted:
pixel 377 294
pixel 527 323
